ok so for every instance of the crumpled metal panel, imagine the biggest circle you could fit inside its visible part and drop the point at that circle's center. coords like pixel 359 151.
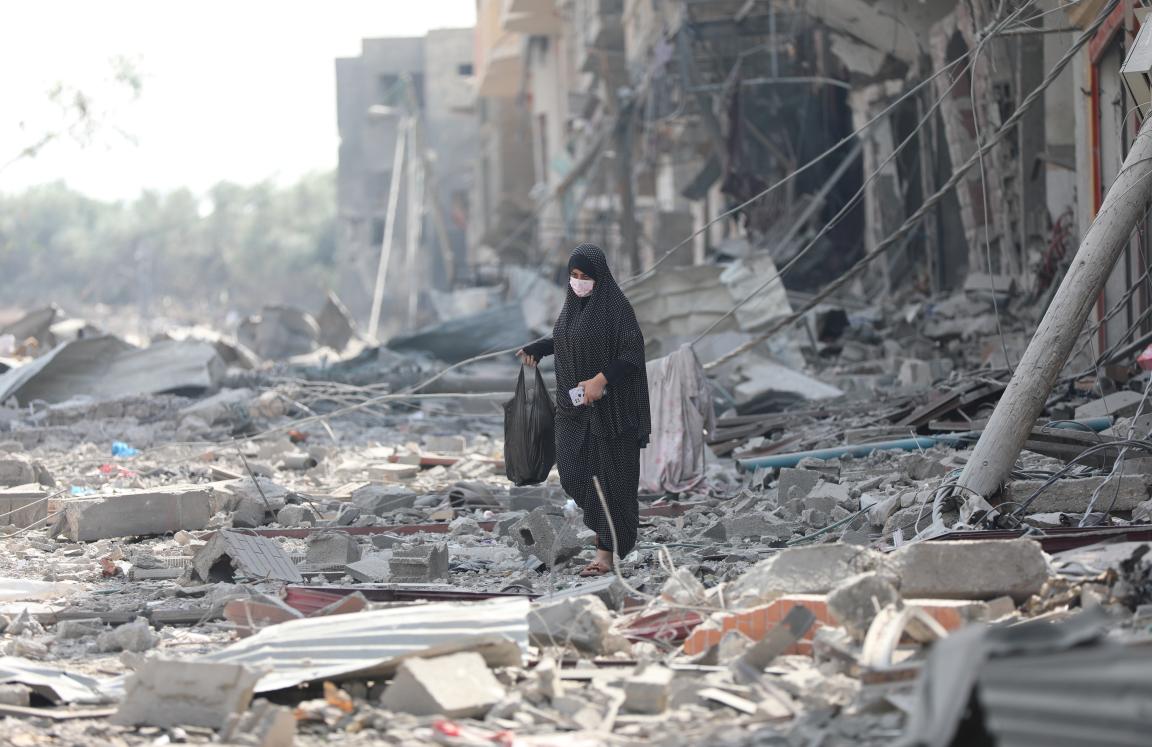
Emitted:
pixel 499 328
pixel 54 684
pixel 374 642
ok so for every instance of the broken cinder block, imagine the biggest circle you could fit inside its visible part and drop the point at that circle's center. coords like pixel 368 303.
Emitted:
pixel 332 548
pixel 547 536
pixel 456 686
pixel 265 725
pixel 582 622
pixel 168 693
pixel 855 602
pixel 419 563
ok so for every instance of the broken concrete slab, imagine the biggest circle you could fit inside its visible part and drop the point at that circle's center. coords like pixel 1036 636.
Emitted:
pixel 136 513
pixel 756 526
pixel 1073 496
pixel 168 693
pixel 795 484
pixel 381 500
pixel 23 506
pixel 16 469
pixel 801 570
pixel 230 553
pixel 294 515
pixel 264 725
pixel 548 536
pixel 419 563
pixel 456 686
pixel 970 569
pixel 332 548
pixel 582 622
pixel 372 568
pixel 1122 404
pixel 854 603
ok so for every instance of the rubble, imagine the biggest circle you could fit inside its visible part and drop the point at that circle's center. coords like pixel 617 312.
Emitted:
pixel 990 568
pixel 136 513
pixel 229 554
pixel 419 563
pixel 168 693
pixel 457 686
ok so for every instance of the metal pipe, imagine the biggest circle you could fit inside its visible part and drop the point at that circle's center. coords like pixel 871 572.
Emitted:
pixel 778 461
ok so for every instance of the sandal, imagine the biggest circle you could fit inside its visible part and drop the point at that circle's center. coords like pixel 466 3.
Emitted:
pixel 596 568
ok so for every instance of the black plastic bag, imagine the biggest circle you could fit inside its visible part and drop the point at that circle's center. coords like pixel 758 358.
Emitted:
pixel 529 433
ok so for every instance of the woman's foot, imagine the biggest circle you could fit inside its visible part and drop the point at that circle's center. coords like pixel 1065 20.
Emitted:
pixel 601 566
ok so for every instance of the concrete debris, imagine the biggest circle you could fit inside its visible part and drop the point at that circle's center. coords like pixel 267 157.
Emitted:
pixel 971 569
pixel 802 570
pixel 15 695
pixel 647 690
pixel 332 548
pixel 136 636
pixel 456 686
pixel 855 602
pixel 168 693
pixel 264 725
pixel 145 512
pixel 419 563
pixel 548 536
pixel 230 554
pixel 581 622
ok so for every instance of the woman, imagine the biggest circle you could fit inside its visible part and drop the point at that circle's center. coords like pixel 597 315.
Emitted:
pixel 598 345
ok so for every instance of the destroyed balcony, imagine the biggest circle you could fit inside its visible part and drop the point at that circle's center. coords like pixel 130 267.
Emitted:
pixel 531 18
pixel 600 25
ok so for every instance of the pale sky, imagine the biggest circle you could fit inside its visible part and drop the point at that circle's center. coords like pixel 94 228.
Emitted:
pixel 241 90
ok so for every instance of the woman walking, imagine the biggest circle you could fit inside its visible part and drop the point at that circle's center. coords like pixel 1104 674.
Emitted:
pixel 599 346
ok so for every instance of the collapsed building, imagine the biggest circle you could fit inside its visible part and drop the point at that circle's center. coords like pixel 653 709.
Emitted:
pixel 888 259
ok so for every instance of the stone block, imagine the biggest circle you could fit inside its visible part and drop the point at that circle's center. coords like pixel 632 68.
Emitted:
pixel 1122 404
pixel 294 515
pixel 855 602
pixel 970 569
pixel 1072 496
pixel 372 568
pixel 419 563
pixel 136 636
pixel 834 491
pixel 23 506
pixel 15 694
pixel 795 484
pixel 550 537
pixel 802 570
pixel 229 554
pixel 381 500
pixel 647 690
pixel 582 622
pixel 137 513
pixel 265 725
pixel 456 686
pixel 167 693
pixel 445 444
pixel 332 548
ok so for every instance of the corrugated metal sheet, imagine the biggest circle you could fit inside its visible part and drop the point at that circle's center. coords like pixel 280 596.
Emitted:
pixel 368 643
pixel 1100 696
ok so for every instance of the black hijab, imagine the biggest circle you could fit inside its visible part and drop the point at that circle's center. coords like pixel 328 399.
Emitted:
pixel 592 333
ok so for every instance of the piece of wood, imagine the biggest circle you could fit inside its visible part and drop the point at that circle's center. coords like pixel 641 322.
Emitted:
pixel 1011 422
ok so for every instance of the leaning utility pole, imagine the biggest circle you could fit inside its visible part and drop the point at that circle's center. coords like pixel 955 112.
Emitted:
pixel 1011 422
pixel 389 227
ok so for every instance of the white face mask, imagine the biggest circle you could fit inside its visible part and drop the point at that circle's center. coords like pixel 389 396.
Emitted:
pixel 582 288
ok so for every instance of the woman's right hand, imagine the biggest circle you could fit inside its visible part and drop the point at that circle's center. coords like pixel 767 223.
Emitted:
pixel 526 359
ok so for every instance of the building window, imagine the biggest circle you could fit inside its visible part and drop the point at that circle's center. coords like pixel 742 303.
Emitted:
pixel 464 70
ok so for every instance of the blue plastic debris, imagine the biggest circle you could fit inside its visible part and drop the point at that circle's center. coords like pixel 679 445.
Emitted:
pixel 121 449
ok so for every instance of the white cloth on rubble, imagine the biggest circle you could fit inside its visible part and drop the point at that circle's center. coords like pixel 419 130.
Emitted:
pixel 682 411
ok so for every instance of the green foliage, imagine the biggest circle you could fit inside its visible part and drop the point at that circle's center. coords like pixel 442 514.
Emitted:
pixel 240 246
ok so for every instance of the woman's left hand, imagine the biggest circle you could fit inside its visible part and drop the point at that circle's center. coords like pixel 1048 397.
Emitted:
pixel 594 388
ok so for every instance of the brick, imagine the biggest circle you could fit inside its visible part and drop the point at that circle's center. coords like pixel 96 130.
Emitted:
pixel 456 686
pixel 970 569
pixel 167 693
pixel 229 554
pixel 757 622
